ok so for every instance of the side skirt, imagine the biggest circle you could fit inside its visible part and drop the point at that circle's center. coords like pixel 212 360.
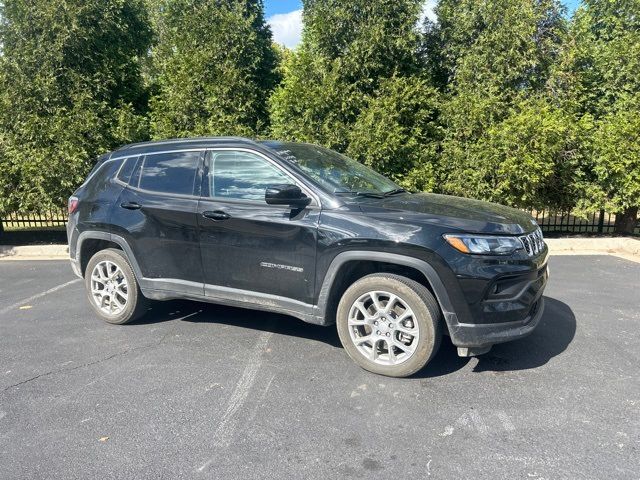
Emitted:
pixel 170 289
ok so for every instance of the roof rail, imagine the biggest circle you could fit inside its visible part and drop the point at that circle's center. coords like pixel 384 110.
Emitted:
pixel 184 140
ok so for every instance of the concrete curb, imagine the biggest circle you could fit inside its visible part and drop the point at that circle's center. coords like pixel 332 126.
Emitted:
pixel 625 246
pixel 34 252
pixel 621 246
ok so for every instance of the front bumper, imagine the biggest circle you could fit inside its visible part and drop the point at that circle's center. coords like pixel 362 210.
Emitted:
pixel 481 336
pixel 502 302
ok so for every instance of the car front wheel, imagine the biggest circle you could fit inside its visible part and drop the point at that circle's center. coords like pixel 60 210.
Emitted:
pixel 112 289
pixel 389 324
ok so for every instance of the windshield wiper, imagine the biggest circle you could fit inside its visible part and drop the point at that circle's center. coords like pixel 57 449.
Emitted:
pixel 359 194
pixel 395 191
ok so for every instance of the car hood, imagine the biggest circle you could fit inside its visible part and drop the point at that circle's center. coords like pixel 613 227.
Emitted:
pixel 455 212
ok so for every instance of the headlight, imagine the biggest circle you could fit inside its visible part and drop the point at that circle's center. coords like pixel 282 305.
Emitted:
pixel 483 244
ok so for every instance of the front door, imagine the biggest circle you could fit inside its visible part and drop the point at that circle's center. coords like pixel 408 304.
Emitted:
pixel 247 244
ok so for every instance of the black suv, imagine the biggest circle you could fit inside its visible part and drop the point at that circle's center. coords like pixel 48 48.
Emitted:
pixel 303 230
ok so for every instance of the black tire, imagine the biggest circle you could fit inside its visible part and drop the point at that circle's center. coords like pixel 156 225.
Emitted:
pixel 426 314
pixel 136 304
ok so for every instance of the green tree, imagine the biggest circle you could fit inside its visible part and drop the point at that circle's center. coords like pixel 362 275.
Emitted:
pixel 356 72
pixel 215 68
pixel 314 103
pixel 497 58
pixel 615 167
pixel 397 133
pixel 598 81
pixel 367 40
pixel 529 159
pixel 70 89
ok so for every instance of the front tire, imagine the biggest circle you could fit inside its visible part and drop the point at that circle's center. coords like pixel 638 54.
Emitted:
pixel 389 324
pixel 112 289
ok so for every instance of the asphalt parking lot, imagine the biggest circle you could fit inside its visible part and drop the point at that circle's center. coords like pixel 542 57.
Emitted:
pixel 198 390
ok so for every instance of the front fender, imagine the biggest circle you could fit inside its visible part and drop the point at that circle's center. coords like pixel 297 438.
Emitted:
pixel 430 273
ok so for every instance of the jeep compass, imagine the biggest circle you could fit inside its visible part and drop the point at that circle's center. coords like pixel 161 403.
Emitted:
pixel 305 231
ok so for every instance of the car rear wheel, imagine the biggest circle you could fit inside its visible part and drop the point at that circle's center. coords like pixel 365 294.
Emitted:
pixel 389 324
pixel 112 289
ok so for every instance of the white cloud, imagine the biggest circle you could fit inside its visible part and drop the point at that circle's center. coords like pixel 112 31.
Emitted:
pixel 286 27
pixel 428 11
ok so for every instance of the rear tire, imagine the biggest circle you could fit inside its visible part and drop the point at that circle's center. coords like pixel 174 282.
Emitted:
pixel 112 289
pixel 389 324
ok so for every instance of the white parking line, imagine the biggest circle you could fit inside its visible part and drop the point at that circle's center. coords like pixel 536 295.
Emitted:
pixel 38 295
pixel 223 435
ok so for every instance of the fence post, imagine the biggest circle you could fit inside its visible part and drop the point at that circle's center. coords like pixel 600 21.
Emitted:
pixel 601 222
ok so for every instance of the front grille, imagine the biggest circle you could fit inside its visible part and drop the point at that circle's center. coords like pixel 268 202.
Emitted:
pixel 533 243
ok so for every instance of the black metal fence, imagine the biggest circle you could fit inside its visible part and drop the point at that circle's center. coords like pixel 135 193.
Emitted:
pixel 550 221
pixel 565 222
pixel 44 220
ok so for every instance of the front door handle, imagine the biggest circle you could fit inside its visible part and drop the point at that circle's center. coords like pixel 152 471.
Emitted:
pixel 216 215
pixel 131 205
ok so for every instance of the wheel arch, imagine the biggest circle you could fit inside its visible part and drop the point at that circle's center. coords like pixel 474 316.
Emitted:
pixel 92 241
pixel 348 267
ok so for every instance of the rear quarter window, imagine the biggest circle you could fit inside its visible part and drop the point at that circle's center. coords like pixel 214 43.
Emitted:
pixel 101 178
pixel 124 174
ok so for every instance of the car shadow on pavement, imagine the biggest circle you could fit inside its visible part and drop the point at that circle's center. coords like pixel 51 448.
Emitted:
pixel 239 317
pixel 552 337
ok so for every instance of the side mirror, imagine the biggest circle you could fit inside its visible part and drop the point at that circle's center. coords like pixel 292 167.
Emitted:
pixel 286 195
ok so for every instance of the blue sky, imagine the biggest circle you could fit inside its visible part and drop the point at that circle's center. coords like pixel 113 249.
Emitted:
pixel 272 7
pixel 285 18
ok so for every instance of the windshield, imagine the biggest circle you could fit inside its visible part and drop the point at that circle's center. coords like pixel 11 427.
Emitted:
pixel 333 171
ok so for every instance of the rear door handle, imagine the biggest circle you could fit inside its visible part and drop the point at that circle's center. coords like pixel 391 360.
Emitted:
pixel 131 205
pixel 216 215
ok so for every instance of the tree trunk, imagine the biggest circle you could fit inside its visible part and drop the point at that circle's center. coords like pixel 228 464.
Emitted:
pixel 626 221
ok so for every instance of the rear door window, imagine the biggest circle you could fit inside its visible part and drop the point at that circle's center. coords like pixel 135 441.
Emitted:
pixel 173 173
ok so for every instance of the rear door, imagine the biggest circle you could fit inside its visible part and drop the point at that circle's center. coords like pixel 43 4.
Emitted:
pixel 247 244
pixel 157 215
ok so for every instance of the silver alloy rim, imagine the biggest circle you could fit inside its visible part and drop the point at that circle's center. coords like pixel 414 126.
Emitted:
pixel 383 328
pixel 109 288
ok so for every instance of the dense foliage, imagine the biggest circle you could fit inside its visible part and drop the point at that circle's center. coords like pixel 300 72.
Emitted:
pixel 599 81
pixel 504 141
pixel 70 89
pixel 214 66
pixel 505 100
pixel 354 84
pixel 397 132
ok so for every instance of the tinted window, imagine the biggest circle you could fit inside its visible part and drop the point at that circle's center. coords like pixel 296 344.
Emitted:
pixel 127 168
pixel 99 162
pixel 242 175
pixel 169 172
pixel 100 181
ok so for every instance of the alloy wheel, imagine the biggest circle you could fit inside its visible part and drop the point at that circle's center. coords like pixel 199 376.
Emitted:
pixel 109 288
pixel 383 328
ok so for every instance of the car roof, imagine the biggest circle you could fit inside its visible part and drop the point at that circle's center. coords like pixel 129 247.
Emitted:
pixel 182 143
